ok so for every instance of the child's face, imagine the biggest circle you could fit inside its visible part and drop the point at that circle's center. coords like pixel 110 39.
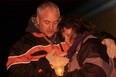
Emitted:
pixel 69 36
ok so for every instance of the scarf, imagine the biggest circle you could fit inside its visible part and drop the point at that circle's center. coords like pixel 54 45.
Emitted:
pixel 72 49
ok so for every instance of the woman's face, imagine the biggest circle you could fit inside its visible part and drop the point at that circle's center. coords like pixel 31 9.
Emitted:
pixel 69 36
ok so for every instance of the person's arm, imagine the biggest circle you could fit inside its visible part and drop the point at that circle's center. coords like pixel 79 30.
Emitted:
pixel 38 68
pixel 88 70
pixel 21 63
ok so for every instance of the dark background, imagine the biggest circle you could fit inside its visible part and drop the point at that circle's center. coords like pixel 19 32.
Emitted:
pixel 14 16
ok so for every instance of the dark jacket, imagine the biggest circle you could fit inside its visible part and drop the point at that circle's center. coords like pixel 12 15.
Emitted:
pixel 27 55
pixel 90 60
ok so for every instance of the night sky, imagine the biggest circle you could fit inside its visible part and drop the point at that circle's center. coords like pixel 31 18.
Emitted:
pixel 14 16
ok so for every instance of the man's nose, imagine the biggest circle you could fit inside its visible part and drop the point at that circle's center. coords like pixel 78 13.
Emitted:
pixel 51 26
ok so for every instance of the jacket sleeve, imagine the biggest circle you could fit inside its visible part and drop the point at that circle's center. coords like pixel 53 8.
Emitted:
pixel 40 68
pixel 21 62
pixel 88 70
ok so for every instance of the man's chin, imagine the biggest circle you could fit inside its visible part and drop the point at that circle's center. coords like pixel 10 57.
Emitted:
pixel 50 35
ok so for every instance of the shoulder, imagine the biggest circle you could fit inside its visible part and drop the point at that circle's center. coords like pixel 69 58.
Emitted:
pixel 26 36
pixel 92 43
pixel 95 48
pixel 23 44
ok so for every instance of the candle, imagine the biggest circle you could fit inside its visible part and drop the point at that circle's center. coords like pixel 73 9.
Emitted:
pixel 59 70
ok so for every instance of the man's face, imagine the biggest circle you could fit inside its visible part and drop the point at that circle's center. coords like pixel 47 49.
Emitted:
pixel 48 21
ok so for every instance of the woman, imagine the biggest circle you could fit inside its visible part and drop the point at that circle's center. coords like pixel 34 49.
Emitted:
pixel 87 54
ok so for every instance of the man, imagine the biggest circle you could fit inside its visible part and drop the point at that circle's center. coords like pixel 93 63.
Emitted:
pixel 27 56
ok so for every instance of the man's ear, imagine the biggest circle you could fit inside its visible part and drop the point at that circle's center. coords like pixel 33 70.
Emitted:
pixel 35 22
pixel 33 19
pixel 60 18
pixel 37 19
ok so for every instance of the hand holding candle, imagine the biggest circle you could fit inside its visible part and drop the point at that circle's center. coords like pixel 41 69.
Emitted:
pixel 57 62
pixel 59 65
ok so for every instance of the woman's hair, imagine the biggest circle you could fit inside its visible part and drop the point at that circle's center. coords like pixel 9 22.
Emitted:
pixel 79 25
